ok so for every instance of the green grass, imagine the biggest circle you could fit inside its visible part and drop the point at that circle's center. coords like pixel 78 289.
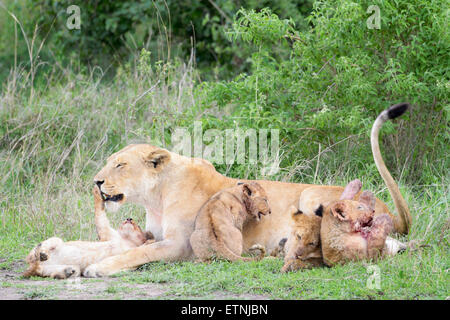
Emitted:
pixel 419 274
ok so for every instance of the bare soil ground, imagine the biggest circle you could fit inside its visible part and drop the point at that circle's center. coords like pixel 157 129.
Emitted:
pixel 15 287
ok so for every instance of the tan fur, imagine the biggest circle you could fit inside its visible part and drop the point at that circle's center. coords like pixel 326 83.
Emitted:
pixel 350 231
pixel 58 259
pixel 303 245
pixel 403 220
pixel 172 188
pixel 219 223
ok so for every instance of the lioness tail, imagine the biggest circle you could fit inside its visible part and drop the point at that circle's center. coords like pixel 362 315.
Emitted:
pixel 402 221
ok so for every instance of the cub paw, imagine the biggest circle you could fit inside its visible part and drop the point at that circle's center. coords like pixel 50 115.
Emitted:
pixel 92 272
pixel 71 272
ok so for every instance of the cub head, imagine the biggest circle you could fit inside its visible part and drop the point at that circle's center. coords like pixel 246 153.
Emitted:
pixel 255 199
pixel 304 241
pixel 351 215
pixel 129 230
pixel 41 253
pixel 130 174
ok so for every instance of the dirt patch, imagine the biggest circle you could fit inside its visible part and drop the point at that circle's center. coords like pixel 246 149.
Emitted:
pixel 14 287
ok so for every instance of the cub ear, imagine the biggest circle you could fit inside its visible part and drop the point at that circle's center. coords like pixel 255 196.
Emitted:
pixel 338 210
pixel 157 159
pixel 368 199
pixel 249 188
pixel 148 235
pixel 319 211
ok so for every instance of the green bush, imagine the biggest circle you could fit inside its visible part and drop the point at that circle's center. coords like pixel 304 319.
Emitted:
pixel 340 75
pixel 321 87
pixel 111 31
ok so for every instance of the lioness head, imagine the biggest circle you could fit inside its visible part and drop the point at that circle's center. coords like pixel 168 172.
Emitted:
pixel 130 174
pixel 304 241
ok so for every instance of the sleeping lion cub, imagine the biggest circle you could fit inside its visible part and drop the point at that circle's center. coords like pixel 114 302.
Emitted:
pixel 58 259
pixel 219 223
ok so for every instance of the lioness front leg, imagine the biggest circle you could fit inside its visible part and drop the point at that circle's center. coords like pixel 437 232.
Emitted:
pixel 104 230
pixel 165 250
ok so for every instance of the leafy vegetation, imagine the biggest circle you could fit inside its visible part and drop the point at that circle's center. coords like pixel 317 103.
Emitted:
pixel 113 31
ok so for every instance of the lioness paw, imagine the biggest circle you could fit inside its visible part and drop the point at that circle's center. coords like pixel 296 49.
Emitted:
pixel 99 203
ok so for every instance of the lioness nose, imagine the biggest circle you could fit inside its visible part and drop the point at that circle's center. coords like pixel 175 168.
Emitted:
pixel 129 219
pixel 99 182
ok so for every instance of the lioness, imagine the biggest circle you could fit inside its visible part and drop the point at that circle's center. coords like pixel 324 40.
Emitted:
pixel 172 188
pixel 219 223
pixel 350 231
pixel 58 259
pixel 303 249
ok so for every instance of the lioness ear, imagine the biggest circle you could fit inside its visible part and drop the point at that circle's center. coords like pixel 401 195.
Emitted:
pixel 338 210
pixel 157 159
pixel 368 199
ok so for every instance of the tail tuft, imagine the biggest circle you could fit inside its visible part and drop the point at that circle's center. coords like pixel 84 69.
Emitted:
pixel 397 110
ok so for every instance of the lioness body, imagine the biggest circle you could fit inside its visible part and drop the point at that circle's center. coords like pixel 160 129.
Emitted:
pixel 172 188
pixel 172 205
pixel 219 223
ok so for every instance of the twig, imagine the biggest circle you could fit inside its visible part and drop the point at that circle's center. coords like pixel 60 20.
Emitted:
pixel 223 14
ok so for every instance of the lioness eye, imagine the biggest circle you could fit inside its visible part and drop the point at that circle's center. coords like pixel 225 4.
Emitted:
pixel 299 237
pixel 120 165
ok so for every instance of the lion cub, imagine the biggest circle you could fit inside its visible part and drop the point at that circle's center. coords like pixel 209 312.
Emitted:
pixel 350 231
pixel 303 248
pixel 58 259
pixel 219 223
